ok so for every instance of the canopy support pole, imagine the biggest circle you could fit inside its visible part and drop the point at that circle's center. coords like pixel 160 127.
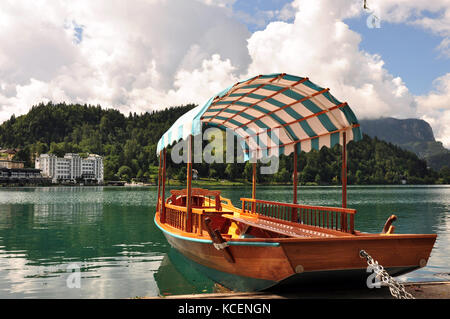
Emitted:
pixel 344 180
pixel 189 186
pixel 159 182
pixel 295 178
pixel 344 170
pixel 163 191
pixel 254 186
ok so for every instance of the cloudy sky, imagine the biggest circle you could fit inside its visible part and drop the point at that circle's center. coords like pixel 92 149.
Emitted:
pixel 392 59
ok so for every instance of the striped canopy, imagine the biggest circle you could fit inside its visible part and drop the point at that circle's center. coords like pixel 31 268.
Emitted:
pixel 272 113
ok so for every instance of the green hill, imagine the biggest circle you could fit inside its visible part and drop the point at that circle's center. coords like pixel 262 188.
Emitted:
pixel 128 144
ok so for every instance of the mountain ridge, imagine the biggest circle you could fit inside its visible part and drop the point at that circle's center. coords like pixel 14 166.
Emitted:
pixel 415 135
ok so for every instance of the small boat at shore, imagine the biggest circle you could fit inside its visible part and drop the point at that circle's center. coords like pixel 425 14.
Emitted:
pixel 265 244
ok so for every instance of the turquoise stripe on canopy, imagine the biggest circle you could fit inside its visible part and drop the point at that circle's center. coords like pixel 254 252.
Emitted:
pixel 334 139
pixel 291 108
pixel 315 143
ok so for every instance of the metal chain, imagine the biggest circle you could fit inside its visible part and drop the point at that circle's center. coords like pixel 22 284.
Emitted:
pixel 397 289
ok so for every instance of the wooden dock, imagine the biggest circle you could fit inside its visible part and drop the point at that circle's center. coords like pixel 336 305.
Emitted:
pixel 420 290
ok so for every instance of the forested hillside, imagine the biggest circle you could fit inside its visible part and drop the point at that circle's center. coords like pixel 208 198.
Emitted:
pixel 128 144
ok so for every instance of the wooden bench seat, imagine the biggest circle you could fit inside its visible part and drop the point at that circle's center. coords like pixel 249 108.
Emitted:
pixel 272 225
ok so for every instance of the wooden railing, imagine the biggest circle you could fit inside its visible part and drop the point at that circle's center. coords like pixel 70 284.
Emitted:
pixel 174 211
pixel 175 216
pixel 332 218
pixel 205 196
pixel 335 218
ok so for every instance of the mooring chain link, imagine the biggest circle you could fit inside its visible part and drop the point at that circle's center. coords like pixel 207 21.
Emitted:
pixel 397 289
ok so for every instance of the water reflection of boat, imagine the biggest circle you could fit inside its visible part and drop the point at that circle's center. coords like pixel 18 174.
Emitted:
pixel 266 243
pixel 178 275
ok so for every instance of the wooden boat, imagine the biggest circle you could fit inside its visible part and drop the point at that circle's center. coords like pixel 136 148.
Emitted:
pixel 264 244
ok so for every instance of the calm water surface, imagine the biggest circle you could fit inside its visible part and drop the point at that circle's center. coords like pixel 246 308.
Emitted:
pixel 108 233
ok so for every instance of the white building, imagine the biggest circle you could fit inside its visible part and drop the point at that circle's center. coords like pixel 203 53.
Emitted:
pixel 71 167
pixel 92 167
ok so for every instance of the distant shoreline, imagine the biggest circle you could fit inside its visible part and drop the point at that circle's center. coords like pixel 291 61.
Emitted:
pixel 206 184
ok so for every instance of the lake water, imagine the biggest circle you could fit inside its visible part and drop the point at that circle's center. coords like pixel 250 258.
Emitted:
pixel 109 235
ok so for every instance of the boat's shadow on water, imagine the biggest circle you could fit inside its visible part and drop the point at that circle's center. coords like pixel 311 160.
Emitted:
pixel 178 272
pixel 177 275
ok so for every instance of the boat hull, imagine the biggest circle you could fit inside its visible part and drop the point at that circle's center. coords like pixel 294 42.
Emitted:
pixel 290 262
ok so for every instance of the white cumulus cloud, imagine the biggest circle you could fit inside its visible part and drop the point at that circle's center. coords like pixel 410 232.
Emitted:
pixel 434 107
pixel 318 44
pixel 146 54
pixel 128 55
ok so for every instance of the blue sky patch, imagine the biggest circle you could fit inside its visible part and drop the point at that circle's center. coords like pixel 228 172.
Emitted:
pixel 77 32
pixel 408 51
pixel 256 14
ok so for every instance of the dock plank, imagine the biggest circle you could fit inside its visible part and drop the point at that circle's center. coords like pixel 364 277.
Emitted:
pixel 420 290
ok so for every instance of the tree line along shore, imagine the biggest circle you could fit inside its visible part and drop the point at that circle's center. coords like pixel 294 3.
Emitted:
pixel 128 146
